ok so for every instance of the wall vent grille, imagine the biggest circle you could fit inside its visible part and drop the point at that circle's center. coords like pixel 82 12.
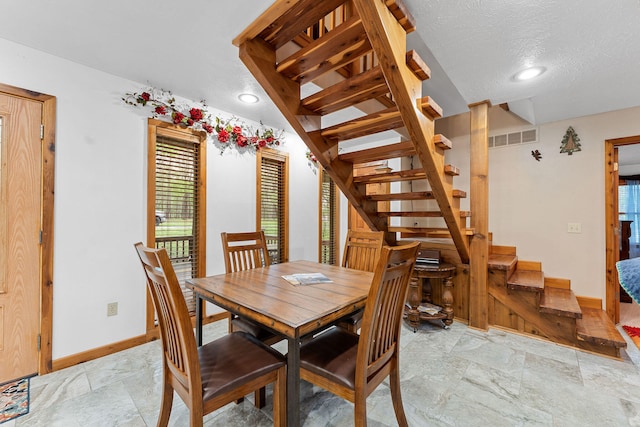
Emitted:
pixel 513 138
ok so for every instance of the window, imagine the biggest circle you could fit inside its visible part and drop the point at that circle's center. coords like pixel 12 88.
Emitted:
pixel 329 226
pixel 176 200
pixel 273 202
pixel 629 209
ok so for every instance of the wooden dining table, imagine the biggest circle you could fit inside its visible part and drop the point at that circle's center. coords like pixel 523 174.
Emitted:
pixel 294 311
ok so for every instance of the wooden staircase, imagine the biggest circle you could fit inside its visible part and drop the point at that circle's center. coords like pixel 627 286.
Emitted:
pixel 522 299
pixel 355 52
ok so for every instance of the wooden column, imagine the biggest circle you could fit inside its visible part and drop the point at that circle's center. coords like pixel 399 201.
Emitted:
pixel 479 205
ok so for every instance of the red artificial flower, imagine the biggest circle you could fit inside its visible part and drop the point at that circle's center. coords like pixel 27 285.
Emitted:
pixel 223 135
pixel 207 127
pixel 241 140
pixel 196 114
pixel 269 139
pixel 262 143
pixel 160 109
pixel 190 122
pixel 237 130
pixel 146 96
pixel 177 117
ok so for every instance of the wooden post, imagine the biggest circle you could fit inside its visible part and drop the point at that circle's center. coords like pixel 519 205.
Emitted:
pixel 479 204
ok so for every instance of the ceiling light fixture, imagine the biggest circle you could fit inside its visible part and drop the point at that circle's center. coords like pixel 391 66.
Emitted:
pixel 528 73
pixel 248 98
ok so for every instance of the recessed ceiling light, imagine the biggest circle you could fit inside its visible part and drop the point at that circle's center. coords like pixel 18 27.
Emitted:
pixel 248 98
pixel 529 73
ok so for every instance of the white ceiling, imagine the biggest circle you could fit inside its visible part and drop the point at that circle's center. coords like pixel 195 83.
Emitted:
pixel 591 49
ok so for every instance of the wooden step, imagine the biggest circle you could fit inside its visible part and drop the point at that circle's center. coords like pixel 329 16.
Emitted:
pixel 385 152
pixel 416 195
pixel 451 170
pixel 430 108
pixel 404 175
pixel 370 124
pixel 431 232
pixel 419 214
pixel 502 262
pixel 282 21
pixel 364 86
pixel 392 151
pixel 561 302
pixel 402 15
pixel 345 44
pixel 526 280
pixel 596 328
pixel 417 65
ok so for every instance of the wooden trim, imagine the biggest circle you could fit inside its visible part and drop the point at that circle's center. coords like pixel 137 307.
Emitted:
pixel 154 128
pixel 283 157
pixel 48 192
pixel 479 205
pixel 612 291
pixel 588 302
pixel 554 282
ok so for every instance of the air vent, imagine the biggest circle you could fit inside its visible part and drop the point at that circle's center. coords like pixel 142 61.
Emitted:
pixel 513 138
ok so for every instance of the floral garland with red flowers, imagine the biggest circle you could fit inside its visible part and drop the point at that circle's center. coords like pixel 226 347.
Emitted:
pixel 312 161
pixel 225 134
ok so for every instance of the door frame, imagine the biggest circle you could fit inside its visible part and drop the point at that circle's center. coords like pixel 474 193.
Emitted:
pixel 612 233
pixel 46 247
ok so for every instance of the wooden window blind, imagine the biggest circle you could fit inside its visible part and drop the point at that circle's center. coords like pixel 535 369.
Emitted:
pixel 177 200
pixel 329 226
pixel 272 202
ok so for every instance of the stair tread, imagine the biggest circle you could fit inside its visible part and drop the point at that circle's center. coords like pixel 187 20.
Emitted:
pixel 415 195
pixel 380 121
pixel 528 280
pixel 419 214
pixel 429 231
pixel 502 262
pixel 345 44
pixel 364 86
pixel 561 302
pixel 385 152
pixel 595 327
pixel 417 65
pixel 402 15
pixel 404 175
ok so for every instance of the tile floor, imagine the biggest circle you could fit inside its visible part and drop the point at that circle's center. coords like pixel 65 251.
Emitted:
pixel 455 377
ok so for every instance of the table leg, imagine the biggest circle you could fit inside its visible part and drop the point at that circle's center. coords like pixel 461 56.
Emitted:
pixel 414 298
pixel 293 382
pixel 198 320
pixel 447 301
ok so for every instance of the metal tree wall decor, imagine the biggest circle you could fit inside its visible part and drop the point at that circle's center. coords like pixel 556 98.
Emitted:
pixel 570 142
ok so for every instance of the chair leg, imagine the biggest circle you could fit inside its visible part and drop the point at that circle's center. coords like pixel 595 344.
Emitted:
pixel 396 396
pixel 280 399
pixel 360 410
pixel 165 405
pixel 260 396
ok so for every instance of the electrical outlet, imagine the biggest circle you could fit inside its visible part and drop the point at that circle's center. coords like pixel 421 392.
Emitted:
pixel 112 309
pixel 574 227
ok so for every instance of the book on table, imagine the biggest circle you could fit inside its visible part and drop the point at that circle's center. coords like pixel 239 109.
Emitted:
pixel 306 278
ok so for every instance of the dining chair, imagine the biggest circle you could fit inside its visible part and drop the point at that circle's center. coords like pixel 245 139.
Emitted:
pixel 245 251
pixel 361 252
pixel 215 374
pixel 351 366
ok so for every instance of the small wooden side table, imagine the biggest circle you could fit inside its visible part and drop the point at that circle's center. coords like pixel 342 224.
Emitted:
pixel 415 298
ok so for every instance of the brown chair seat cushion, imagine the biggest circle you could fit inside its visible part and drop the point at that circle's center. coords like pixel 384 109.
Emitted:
pixel 332 354
pixel 233 360
pixel 252 328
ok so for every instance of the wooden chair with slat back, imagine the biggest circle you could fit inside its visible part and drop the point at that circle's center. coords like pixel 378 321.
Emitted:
pixel 351 366
pixel 361 252
pixel 245 251
pixel 219 372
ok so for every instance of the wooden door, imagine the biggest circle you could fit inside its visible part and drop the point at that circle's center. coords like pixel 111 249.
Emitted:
pixel 20 234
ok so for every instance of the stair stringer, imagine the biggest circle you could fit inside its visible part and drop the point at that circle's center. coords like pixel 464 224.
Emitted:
pixel 525 304
pixel 388 40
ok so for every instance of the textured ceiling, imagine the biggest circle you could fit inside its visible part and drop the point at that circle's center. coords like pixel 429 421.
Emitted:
pixel 591 49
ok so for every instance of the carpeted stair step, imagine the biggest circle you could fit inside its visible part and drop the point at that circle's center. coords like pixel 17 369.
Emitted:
pixel 596 328
pixel 561 302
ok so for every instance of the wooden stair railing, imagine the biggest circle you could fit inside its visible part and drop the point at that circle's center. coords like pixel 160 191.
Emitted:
pixel 355 51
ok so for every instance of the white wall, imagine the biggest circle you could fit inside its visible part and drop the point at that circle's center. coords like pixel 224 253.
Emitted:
pixel 100 198
pixel 531 202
